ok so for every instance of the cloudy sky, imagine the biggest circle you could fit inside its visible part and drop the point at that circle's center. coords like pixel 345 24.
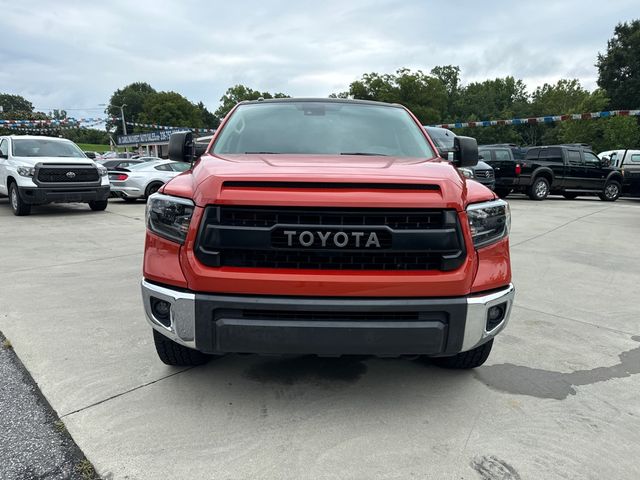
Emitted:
pixel 74 54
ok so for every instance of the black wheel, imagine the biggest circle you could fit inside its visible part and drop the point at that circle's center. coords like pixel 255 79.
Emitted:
pixel 152 188
pixel 18 206
pixel 539 189
pixel 98 205
pixel 172 353
pixel 611 191
pixel 471 359
pixel 502 192
pixel 570 195
pixel 130 199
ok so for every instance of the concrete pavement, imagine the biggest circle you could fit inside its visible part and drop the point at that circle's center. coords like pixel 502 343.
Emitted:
pixel 556 399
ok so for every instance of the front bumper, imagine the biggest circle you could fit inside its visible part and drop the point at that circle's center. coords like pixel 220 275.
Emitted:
pixel 67 194
pixel 326 326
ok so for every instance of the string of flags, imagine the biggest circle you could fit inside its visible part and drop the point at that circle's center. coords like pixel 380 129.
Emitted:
pixel 545 119
pixel 77 122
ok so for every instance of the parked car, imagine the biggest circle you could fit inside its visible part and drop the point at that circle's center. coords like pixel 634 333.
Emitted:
pixel 570 170
pixel 115 164
pixel 325 227
pixel 482 172
pixel 144 178
pixel 92 155
pixel 35 170
pixel 505 158
pixel 629 162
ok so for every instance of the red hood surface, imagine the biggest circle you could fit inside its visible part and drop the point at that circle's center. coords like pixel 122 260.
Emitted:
pixel 308 180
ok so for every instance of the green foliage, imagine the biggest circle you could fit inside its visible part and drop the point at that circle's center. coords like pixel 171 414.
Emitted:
pixel 170 108
pixel 134 97
pixel 424 95
pixel 15 106
pixel 621 132
pixel 240 93
pixel 619 67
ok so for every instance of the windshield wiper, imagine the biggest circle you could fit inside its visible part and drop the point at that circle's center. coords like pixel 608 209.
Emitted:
pixel 261 153
pixel 365 153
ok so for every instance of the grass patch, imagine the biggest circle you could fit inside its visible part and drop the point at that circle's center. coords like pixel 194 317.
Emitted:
pixel 86 470
pixel 92 147
pixel 6 344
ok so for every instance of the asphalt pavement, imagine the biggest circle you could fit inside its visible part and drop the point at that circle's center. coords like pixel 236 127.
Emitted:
pixel 558 397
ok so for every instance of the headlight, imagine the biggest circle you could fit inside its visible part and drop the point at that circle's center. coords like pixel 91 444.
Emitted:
pixel 169 216
pixel 489 222
pixel 26 171
pixel 102 171
pixel 467 172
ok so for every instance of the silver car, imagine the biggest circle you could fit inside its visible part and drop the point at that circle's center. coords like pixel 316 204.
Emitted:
pixel 143 179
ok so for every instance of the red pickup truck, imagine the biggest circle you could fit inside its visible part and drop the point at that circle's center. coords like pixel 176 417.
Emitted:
pixel 326 227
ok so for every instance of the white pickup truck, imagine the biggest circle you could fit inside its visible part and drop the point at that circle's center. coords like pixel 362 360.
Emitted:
pixel 35 170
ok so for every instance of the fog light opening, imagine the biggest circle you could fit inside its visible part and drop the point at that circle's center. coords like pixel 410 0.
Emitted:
pixel 161 310
pixel 495 316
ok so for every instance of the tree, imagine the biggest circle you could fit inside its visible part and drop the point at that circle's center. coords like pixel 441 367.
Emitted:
pixel 240 93
pixel 449 75
pixel 15 106
pixel 620 132
pixel 172 109
pixel 134 96
pixel 619 67
pixel 424 95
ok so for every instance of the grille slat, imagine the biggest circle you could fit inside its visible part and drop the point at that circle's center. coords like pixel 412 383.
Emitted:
pixel 329 315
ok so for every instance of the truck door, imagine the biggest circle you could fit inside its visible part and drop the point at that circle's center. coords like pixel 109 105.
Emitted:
pixel 552 158
pixel 594 174
pixel 575 170
pixel 4 153
pixel 631 167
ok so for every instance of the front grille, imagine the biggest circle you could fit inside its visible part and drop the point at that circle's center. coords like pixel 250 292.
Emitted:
pixel 268 217
pixel 329 315
pixel 309 238
pixel 484 173
pixel 62 174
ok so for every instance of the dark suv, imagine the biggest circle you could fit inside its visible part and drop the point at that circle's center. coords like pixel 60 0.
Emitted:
pixel 570 170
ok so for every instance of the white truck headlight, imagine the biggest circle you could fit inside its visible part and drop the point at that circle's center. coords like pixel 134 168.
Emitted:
pixel 102 171
pixel 489 222
pixel 26 171
pixel 169 217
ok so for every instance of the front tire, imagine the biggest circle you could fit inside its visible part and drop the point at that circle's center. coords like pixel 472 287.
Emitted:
pixel 98 205
pixel 18 206
pixel 611 191
pixel 174 354
pixel 465 360
pixel 539 189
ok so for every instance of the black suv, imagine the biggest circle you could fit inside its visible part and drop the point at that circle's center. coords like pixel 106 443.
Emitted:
pixel 570 170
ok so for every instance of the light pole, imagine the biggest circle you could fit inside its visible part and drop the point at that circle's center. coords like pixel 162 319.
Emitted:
pixel 124 124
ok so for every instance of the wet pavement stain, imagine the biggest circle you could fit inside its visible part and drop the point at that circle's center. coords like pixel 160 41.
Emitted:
pixel 540 383
pixel 492 468
pixel 290 371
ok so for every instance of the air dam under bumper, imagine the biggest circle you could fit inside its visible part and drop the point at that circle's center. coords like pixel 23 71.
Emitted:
pixel 68 194
pixel 326 326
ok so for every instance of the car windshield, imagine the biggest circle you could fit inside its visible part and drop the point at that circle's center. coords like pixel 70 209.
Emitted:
pixel 322 128
pixel 35 147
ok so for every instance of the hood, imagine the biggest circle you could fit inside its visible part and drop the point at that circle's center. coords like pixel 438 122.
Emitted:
pixel 319 180
pixel 32 161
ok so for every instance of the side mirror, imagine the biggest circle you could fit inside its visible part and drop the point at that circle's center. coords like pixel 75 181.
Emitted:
pixel 181 147
pixel 465 151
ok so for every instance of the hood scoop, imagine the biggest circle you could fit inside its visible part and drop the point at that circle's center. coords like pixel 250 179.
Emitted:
pixel 330 185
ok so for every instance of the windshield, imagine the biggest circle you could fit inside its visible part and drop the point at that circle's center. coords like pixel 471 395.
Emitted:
pixel 442 137
pixel 322 128
pixel 35 147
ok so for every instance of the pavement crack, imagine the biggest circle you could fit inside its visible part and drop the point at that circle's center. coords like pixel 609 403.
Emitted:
pixel 513 245
pixel 40 267
pixel 117 395
pixel 583 322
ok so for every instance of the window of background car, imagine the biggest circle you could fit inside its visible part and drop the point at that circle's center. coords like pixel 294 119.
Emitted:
pixel 24 147
pixel 4 147
pixel 573 157
pixel 635 157
pixel 442 137
pixel 553 155
pixel 532 154
pixel 180 166
pixel 485 154
pixel 591 158
pixel 502 155
pixel 322 128
pixel 163 168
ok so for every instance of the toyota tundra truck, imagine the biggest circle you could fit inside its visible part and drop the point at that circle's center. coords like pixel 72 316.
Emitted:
pixel 325 227
pixel 35 170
